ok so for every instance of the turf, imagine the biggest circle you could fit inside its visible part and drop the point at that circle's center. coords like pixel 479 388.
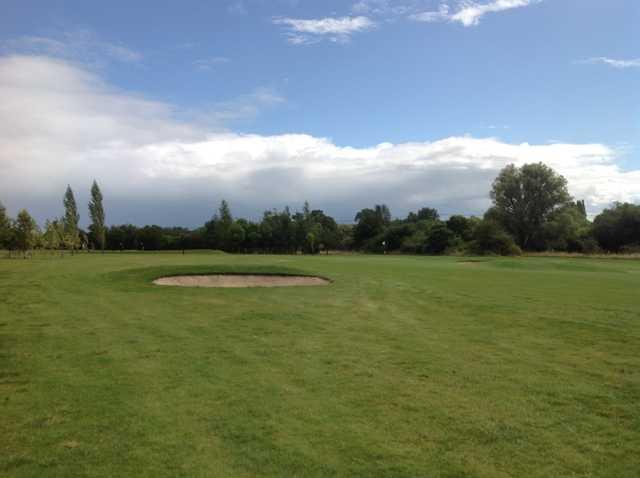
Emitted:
pixel 403 366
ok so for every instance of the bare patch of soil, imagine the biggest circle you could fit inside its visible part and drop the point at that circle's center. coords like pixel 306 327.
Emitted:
pixel 239 281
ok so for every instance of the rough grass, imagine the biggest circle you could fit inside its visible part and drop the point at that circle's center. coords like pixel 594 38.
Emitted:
pixel 404 366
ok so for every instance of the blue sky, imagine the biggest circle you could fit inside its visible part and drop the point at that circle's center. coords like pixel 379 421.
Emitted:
pixel 228 98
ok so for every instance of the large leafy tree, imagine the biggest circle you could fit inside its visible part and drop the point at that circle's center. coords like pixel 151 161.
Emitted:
pixel 525 198
pixel 96 212
pixel 71 220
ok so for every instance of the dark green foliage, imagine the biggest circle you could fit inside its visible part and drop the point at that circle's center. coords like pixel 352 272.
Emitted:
pixel 439 239
pixel 568 229
pixel 96 213
pixel 462 226
pixel 5 228
pixel 618 228
pixel 424 214
pixel 25 232
pixel 490 238
pixel 370 223
pixel 71 219
pixel 525 198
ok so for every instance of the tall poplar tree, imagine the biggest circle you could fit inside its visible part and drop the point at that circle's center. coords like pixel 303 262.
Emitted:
pixel 96 211
pixel 71 219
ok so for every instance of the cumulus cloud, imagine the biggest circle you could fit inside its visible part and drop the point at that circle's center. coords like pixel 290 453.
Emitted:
pixel 619 64
pixel 62 124
pixel 469 13
pixel 339 29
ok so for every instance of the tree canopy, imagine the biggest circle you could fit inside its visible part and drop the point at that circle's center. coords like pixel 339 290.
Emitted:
pixel 525 198
pixel 532 210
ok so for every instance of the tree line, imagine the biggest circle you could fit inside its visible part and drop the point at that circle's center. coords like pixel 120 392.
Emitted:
pixel 531 211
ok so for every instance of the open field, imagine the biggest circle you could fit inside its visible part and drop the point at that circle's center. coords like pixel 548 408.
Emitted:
pixel 403 366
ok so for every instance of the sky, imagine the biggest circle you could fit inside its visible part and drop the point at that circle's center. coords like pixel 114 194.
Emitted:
pixel 173 106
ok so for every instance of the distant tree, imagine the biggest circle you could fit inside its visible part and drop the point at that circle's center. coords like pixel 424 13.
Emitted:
pixel 123 237
pixel 53 236
pixel 617 229
pixel 71 219
pixel 581 208
pixel 329 233
pixel 222 229
pixel 392 238
pixel 424 214
pixel 439 239
pixel 568 229
pixel 345 237
pixel 25 232
pixel 218 229
pixel 5 228
pixel 237 236
pixel 149 238
pixel 96 212
pixel 524 199
pixel 491 238
pixel 461 226
pixel 370 223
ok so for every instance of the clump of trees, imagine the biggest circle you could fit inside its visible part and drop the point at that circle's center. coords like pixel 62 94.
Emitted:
pixel 531 210
pixel 618 229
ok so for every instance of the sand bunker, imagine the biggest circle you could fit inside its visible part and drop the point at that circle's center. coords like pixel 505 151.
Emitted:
pixel 238 280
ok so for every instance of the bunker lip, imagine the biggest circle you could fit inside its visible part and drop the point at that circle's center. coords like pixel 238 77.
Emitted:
pixel 240 280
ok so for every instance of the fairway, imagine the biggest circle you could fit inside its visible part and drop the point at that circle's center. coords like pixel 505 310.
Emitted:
pixel 401 367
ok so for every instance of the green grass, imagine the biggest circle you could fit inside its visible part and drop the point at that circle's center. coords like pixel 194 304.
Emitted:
pixel 403 366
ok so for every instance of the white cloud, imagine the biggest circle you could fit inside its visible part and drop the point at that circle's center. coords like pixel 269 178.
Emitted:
pixel 61 124
pixel 469 13
pixel 620 64
pixel 303 31
pixel 208 64
pixel 79 44
pixel 237 7
pixel 245 107
pixel 441 15
pixel 383 7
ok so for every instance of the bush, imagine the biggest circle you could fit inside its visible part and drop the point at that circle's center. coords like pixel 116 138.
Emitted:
pixel 439 239
pixel 490 238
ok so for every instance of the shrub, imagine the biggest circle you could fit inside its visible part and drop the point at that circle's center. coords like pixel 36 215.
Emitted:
pixel 490 238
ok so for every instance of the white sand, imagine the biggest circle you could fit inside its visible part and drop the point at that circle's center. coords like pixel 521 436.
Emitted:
pixel 233 280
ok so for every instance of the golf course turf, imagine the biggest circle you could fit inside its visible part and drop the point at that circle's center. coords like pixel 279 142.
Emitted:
pixel 402 366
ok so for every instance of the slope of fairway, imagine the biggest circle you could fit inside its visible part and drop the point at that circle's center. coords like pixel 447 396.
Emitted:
pixel 403 366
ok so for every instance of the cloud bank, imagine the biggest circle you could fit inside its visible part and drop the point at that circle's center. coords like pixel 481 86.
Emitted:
pixel 62 124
